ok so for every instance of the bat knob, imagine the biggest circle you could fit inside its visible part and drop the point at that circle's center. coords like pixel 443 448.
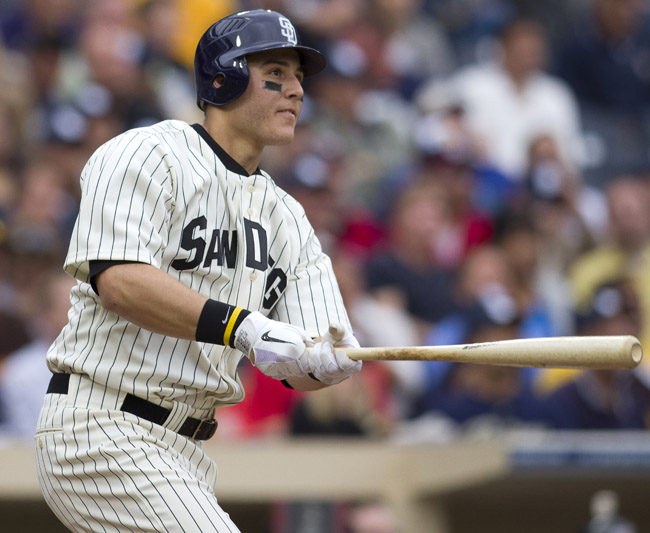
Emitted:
pixel 336 331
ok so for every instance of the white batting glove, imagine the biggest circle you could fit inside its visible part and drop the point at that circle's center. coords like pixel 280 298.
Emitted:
pixel 328 361
pixel 277 349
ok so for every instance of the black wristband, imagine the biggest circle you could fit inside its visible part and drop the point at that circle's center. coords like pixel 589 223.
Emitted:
pixel 218 323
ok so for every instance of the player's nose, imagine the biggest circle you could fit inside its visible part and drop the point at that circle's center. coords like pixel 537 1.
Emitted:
pixel 295 89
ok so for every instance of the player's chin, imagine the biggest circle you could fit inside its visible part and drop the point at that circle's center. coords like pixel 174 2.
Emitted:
pixel 284 128
pixel 281 137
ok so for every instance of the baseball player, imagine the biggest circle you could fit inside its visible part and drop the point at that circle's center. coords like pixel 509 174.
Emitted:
pixel 188 257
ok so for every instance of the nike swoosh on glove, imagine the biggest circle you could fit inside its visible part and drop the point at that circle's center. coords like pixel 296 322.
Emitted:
pixel 277 349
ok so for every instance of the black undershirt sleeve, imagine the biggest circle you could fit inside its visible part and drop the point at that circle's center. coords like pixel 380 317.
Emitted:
pixel 97 267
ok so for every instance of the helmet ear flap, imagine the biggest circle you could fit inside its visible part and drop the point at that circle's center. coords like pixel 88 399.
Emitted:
pixel 217 83
pixel 234 83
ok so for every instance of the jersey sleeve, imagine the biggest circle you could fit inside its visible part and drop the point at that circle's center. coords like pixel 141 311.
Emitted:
pixel 312 299
pixel 126 200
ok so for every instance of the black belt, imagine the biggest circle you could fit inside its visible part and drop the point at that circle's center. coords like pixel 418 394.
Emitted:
pixel 193 428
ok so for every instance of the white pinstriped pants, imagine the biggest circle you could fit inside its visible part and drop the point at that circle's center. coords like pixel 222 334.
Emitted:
pixel 101 470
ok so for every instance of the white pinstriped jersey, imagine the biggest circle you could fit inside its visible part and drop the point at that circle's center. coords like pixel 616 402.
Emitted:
pixel 167 195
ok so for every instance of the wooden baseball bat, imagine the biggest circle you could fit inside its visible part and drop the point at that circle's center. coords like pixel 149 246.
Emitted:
pixel 598 352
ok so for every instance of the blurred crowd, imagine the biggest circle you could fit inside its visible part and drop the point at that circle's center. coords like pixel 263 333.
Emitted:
pixel 478 170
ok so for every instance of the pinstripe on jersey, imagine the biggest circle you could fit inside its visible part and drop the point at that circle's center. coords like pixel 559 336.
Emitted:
pixel 165 195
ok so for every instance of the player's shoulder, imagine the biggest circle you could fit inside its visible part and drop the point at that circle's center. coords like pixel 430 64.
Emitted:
pixel 166 127
pixel 290 203
pixel 162 131
pixel 165 132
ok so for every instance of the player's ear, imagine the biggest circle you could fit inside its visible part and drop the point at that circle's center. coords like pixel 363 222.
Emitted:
pixel 218 80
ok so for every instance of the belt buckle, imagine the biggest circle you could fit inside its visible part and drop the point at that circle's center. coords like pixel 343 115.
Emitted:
pixel 205 430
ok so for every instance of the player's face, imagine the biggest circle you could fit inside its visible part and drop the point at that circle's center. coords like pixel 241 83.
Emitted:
pixel 269 108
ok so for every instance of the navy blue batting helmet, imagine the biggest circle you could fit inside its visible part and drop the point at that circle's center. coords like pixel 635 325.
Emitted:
pixel 223 47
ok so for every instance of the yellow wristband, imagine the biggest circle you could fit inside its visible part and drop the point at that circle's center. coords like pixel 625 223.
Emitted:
pixel 231 325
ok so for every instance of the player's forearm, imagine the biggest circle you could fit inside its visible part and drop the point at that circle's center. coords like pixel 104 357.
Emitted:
pixel 152 299
pixel 155 301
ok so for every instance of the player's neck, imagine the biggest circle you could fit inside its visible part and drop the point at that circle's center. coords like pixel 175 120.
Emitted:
pixel 244 152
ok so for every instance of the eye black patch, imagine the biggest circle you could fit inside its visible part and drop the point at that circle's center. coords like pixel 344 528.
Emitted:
pixel 272 86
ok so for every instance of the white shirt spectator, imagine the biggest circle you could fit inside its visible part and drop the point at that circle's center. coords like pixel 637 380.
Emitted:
pixel 512 100
pixel 23 383
pixel 505 119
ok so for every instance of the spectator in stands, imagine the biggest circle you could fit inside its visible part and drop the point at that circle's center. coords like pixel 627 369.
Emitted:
pixel 44 211
pixel 403 45
pixel 484 285
pixel 346 413
pixel 483 396
pixel 39 223
pixel 446 156
pixel 486 293
pixel 24 376
pixel 9 162
pixel 604 399
pixel 470 25
pixel 565 208
pixel 605 58
pixel 568 217
pixel 14 333
pixel 15 102
pixel 605 61
pixel 513 99
pixel 33 21
pixel 625 253
pixel 368 131
pixel 159 22
pixel 313 180
pixel 555 16
pixel 519 240
pixel 107 67
pixel 409 267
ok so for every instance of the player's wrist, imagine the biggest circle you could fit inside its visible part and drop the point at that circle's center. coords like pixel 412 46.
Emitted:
pixel 218 323
pixel 248 331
